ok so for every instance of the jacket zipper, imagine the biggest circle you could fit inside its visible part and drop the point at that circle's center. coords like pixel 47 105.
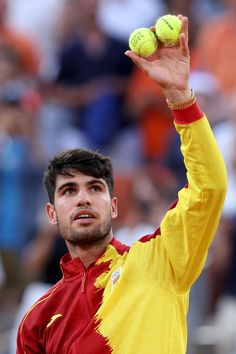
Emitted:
pixel 83 291
pixel 84 278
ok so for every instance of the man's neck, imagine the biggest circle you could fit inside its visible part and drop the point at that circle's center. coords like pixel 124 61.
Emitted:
pixel 88 253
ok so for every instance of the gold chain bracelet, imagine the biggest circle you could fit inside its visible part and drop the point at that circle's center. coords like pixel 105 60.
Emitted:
pixel 182 105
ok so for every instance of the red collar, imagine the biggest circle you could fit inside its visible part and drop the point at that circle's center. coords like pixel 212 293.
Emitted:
pixel 74 267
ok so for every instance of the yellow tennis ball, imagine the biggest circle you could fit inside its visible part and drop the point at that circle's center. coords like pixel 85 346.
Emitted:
pixel 168 29
pixel 143 42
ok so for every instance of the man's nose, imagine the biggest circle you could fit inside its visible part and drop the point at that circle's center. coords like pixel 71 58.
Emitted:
pixel 83 198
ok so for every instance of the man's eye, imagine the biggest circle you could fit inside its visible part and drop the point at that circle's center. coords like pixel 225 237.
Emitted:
pixel 69 191
pixel 96 188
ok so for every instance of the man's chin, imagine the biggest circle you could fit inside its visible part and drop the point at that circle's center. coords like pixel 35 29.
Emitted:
pixel 83 240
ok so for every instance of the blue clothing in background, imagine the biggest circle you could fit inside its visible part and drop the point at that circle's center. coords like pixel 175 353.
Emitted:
pixel 20 188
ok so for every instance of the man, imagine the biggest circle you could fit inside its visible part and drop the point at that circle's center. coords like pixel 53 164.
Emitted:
pixel 116 299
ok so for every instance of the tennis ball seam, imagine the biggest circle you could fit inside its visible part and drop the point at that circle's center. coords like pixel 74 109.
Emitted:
pixel 171 31
pixel 168 24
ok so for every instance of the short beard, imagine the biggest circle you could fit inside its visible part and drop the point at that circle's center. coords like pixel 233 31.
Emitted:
pixel 87 237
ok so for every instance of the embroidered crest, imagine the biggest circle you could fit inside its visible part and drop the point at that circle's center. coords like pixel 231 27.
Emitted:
pixel 115 276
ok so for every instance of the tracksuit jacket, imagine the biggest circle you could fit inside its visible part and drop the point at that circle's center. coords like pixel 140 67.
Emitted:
pixel 134 300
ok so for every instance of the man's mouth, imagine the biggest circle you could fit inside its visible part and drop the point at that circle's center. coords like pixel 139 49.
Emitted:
pixel 84 215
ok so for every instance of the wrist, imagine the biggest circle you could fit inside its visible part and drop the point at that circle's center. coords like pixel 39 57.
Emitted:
pixel 182 104
pixel 178 96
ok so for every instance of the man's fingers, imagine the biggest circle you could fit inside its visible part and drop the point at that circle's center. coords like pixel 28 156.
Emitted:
pixel 184 28
pixel 153 29
pixel 137 60
pixel 184 44
pixel 133 56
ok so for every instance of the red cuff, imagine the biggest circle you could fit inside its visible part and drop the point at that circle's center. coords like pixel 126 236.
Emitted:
pixel 188 115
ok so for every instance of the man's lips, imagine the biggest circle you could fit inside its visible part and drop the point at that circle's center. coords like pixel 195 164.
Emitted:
pixel 84 215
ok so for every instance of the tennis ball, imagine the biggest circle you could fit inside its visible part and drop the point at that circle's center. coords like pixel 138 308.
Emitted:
pixel 168 29
pixel 143 42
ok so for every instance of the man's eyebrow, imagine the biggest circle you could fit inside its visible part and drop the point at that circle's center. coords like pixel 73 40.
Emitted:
pixel 96 181
pixel 75 184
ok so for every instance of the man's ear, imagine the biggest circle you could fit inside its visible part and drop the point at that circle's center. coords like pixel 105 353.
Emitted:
pixel 51 213
pixel 114 208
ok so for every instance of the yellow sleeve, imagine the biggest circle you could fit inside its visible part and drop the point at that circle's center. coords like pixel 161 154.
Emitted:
pixel 188 229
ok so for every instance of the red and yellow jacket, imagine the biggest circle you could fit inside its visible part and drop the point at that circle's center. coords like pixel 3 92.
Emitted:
pixel 135 300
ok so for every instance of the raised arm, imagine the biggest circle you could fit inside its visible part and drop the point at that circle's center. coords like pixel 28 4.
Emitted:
pixel 188 228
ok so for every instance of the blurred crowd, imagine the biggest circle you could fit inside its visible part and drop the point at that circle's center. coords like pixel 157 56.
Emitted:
pixel 65 82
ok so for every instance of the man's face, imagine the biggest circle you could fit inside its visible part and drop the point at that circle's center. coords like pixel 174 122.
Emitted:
pixel 83 209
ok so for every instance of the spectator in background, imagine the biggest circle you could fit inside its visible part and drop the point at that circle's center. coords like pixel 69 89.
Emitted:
pixel 93 74
pixel 10 68
pixel 149 197
pixel 205 9
pixel 37 20
pixel 226 136
pixel 20 183
pixel 147 109
pixel 22 46
pixel 19 154
pixel 223 266
pixel 216 46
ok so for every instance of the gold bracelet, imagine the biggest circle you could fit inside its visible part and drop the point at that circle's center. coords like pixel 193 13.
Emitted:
pixel 182 105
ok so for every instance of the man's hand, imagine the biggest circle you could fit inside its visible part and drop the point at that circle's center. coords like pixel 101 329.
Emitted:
pixel 169 67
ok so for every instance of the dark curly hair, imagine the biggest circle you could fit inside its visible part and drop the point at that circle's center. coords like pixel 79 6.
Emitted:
pixel 89 162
